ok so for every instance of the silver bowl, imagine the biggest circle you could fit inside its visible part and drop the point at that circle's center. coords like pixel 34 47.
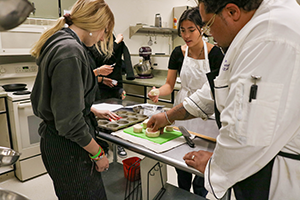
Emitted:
pixel 8 156
pixel 13 13
pixel 144 68
pixel 9 195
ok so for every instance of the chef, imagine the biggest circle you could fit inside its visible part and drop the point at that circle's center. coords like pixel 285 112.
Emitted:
pixel 257 150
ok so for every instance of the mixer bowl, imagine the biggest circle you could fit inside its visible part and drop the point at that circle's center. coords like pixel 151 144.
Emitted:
pixel 144 68
pixel 8 156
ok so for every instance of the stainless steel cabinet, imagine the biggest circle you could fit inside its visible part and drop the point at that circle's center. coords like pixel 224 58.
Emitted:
pixel 50 9
pixel 4 132
pixel 45 9
pixel 139 93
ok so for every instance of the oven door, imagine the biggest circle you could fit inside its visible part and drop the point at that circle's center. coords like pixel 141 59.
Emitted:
pixel 25 125
pixel 26 140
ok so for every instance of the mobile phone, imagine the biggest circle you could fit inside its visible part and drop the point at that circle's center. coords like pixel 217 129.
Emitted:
pixel 114 82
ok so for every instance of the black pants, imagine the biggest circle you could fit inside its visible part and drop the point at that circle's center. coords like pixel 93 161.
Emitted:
pixel 257 186
pixel 115 92
pixel 70 168
pixel 184 180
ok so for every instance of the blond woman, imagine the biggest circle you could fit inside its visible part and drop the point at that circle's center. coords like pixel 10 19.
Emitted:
pixel 62 97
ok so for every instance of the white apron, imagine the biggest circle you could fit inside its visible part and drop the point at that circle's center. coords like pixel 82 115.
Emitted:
pixel 192 76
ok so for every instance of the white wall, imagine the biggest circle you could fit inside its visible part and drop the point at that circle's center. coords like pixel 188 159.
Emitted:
pixel 129 12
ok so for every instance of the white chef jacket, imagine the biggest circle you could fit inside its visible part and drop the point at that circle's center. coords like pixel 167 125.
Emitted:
pixel 254 132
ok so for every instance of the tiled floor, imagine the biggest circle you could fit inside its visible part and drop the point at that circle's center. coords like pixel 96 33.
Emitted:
pixel 41 188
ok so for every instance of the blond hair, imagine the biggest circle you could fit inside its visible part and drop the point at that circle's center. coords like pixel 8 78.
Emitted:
pixel 89 15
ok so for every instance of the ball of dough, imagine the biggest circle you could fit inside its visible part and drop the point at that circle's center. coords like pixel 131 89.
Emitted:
pixel 149 133
pixel 154 92
pixel 137 128
pixel 169 128
pixel 145 123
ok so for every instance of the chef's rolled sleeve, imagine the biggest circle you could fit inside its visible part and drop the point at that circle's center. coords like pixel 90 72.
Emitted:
pixel 200 103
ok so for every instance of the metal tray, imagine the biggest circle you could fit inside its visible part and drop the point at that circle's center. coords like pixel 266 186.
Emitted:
pixel 128 118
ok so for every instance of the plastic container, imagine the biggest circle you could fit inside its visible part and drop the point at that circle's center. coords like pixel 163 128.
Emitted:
pixel 157 20
pixel 175 23
pixel 131 168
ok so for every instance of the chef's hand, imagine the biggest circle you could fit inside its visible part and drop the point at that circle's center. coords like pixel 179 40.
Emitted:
pixel 153 98
pixel 102 164
pixel 157 122
pixel 105 70
pixel 119 38
pixel 105 114
pixel 197 159
pixel 108 82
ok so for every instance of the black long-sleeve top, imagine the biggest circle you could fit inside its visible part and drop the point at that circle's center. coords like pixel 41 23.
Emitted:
pixel 119 50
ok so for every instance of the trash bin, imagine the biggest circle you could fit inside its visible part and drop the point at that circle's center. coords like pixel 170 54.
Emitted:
pixel 131 168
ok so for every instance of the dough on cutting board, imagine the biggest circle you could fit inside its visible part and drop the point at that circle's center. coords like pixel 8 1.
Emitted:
pixel 169 128
pixel 145 123
pixel 137 128
pixel 149 133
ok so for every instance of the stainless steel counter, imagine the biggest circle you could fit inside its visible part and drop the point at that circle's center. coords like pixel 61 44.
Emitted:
pixel 174 156
pixel 159 79
pixel 2 93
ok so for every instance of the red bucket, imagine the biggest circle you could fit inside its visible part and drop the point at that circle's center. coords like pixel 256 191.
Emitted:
pixel 131 168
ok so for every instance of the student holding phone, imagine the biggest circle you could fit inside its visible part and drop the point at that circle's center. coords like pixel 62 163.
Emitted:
pixel 110 72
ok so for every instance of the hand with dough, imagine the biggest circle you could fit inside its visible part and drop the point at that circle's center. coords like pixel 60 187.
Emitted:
pixel 154 94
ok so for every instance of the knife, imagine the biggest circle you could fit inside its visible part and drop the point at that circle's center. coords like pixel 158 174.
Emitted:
pixel 186 135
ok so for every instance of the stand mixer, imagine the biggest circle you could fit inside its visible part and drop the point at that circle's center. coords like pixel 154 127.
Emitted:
pixel 144 68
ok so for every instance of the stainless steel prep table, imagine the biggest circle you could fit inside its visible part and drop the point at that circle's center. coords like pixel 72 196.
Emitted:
pixel 174 156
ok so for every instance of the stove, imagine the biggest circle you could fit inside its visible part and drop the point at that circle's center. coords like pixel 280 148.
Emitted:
pixel 23 123
pixel 18 73
pixel 22 92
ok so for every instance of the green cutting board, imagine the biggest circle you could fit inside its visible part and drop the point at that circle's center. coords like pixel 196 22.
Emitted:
pixel 163 138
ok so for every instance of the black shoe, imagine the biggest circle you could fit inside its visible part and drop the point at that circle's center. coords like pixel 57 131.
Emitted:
pixel 121 151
